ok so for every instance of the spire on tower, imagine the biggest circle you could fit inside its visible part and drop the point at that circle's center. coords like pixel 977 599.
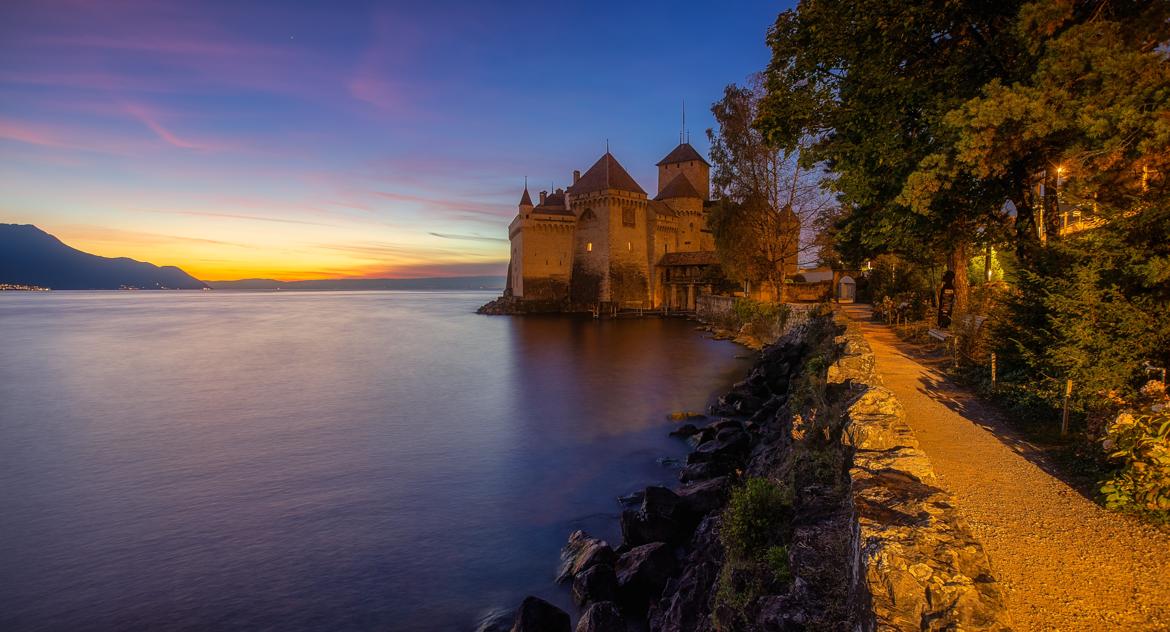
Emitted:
pixel 525 200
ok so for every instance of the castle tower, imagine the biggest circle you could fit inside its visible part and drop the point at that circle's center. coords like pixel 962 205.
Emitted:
pixel 611 258
pixel 515 285
pixel 685 160
pixel 687 203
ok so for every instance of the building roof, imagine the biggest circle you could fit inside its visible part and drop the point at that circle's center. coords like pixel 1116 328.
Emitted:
pixel 661 208
pixel 814 275
pixel 606 173
pixel 679 187
pixel 683 153
pixel 696 258
pixel 525 200
pixel 553 205
pixel 553 200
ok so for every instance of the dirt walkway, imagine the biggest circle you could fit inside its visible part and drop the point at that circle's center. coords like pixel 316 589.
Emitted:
pixel 1066 563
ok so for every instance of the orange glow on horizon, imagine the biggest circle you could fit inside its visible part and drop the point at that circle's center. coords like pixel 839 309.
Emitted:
pixel 283 256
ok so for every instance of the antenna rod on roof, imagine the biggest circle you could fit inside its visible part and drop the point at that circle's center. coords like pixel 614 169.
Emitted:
pixel 682 129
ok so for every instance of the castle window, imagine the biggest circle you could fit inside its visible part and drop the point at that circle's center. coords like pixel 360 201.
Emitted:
pixel 589 247
pixel 628 218
pixel 629 246
pixel 588 215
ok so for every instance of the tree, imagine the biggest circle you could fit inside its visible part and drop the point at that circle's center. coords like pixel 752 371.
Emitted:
pixel 766 199
pixel 870 81
pixel 1088 107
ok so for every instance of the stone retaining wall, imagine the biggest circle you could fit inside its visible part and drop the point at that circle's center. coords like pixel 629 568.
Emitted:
pixel 923 567
pixel 711 308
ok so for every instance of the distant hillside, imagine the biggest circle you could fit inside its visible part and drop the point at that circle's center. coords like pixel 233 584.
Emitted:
pixel 30 256
pixel 434 283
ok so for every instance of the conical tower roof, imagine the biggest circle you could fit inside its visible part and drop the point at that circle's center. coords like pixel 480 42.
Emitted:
pixel 679 187
pixel 606 173
pixel 525 200
pixel 683 153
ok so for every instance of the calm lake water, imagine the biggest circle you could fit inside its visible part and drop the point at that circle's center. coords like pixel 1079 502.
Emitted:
pixel 327 461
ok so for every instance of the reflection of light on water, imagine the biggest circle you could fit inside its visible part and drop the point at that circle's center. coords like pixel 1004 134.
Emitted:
pixel 376 459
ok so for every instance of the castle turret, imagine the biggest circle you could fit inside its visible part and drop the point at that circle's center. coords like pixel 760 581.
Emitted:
pixel 611 249
pixel 685 160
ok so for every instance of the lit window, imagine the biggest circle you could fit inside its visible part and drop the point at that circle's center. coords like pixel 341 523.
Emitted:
pixel 629 246
pixel 589 247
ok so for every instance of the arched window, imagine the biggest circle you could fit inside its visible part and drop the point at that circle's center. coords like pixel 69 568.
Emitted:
pixel 588 215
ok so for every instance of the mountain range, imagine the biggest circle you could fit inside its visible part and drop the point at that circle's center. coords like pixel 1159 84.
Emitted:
pixel 30 256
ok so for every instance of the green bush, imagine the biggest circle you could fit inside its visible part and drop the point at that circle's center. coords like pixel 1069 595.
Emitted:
pixel 755 518
pixel 1141 444
pixel 755 531
pixel 767 319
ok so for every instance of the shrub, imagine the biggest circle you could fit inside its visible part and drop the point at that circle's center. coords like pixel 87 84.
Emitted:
pixel 767 319
pixel 754 533
pixel 755 517
pixel 1141 444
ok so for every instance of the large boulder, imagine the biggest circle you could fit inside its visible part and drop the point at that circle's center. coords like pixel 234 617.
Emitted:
pixel 581 552
pixel 596 583
pixel 730 446
pixel 701 498
pixel 701 471
pixel 686 601
pixel 538 615
pixel 642 572
pixel 659 519
pixel 603 616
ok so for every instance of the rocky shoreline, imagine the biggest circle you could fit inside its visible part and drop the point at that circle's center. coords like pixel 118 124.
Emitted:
pixel 804 504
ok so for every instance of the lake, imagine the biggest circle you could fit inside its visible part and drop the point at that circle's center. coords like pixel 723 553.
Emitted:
pixel 319 460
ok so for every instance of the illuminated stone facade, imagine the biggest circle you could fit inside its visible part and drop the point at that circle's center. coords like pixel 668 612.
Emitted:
pixel 605 244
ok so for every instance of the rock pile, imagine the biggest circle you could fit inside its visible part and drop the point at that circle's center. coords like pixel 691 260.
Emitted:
pixel 872 543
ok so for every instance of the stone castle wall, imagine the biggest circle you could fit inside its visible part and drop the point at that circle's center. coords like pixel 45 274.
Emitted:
pixel 547 257
pixel 697 173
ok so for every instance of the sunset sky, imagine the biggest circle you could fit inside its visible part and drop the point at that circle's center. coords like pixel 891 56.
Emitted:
pixel 299 140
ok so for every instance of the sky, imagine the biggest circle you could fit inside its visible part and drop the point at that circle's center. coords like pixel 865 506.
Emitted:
pixel 302 140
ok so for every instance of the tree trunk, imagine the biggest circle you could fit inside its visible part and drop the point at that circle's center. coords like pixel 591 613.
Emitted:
pixel 1027 235
pixel 958 263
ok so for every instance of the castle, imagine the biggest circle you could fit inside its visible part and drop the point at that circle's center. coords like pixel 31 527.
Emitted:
pixel 603 244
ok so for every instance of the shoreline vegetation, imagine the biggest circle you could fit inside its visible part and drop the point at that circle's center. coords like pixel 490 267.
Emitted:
pixel 800 462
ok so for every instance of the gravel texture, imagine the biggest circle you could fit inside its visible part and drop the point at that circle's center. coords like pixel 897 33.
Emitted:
pixel 1065 562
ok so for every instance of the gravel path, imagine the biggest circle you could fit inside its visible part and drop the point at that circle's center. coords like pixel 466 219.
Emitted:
pixel 1066 563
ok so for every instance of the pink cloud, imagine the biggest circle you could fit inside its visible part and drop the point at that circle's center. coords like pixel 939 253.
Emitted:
pixel 254 218
pixel 149 118
pixel 28 134
pixel 67 138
